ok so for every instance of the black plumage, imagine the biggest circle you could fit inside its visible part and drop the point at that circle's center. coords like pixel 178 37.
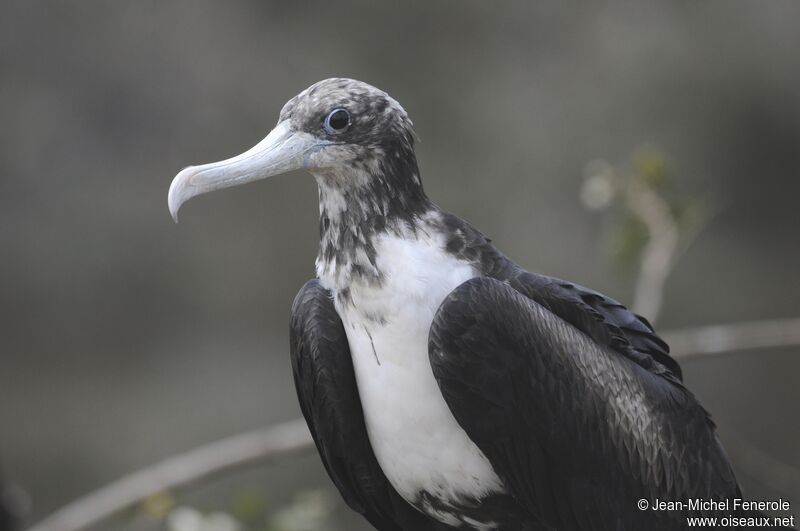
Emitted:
pixel 579 432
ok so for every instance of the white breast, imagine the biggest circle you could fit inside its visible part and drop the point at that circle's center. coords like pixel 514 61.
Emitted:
pixel 415 437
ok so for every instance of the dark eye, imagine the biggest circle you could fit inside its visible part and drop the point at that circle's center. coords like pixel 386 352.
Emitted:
pixel 337 121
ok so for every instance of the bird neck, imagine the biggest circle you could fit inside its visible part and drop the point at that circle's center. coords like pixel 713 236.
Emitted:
pixel 357 205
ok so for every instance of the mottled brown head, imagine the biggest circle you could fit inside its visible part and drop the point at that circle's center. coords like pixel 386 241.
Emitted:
pixel 354 138
pixel 346 111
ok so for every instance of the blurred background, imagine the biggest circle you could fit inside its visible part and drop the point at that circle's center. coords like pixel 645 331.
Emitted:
pixel 125 338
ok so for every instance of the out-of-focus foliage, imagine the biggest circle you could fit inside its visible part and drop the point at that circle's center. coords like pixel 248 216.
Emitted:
pixel 607 187
pixel 250 511
pixel 309 511
pixel 190 519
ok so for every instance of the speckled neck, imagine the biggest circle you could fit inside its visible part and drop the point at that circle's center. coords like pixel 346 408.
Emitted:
pixel 357 204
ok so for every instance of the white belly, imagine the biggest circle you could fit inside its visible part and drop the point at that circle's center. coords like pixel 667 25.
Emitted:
pixel 415 437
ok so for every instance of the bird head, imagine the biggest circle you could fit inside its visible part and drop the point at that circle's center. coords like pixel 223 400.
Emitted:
pixel 347 133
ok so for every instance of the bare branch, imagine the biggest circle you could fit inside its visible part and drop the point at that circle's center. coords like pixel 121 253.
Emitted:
pixel 265 445
pixel 717 340
pixel 658 255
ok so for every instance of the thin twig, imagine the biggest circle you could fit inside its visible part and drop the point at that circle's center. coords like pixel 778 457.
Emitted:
pixel 717 340
pixel 658 255
pixel 265 445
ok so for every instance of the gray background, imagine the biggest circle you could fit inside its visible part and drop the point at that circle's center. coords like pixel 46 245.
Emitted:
pixel 125 338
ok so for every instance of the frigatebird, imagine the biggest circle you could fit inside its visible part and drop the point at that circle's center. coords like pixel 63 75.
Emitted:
pixel 445 386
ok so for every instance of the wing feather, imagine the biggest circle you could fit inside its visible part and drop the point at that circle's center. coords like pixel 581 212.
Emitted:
pixel 578 431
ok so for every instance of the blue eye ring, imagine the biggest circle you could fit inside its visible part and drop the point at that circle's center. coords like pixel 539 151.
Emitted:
pixel 337 121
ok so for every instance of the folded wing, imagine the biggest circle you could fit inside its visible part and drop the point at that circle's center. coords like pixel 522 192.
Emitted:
pixel 578 422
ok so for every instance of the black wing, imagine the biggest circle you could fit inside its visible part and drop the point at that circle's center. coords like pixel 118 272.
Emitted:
pixel 578 432
pixel 326 387
pixel 603 319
